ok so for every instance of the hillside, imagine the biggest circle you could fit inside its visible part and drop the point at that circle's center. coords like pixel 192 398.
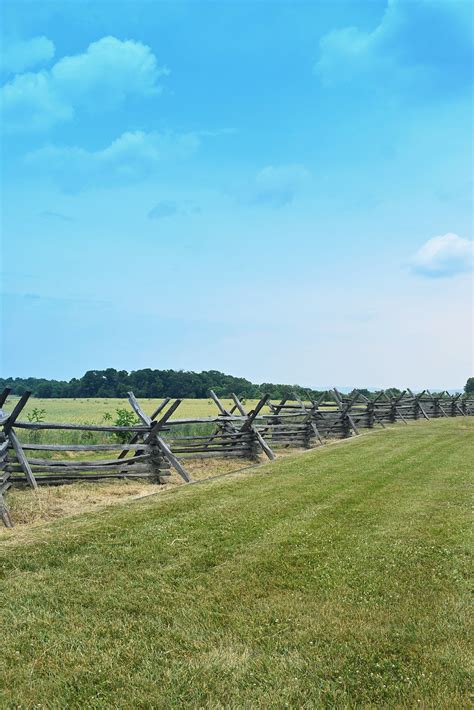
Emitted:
pixel 332 578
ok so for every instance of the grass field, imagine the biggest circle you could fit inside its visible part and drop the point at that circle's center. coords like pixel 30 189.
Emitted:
pixel 93 410
pixel 336 578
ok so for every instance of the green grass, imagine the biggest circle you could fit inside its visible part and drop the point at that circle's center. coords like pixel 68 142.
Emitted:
pixel 336 578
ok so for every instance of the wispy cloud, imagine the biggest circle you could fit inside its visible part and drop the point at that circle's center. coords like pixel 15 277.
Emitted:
pixel 101 78
pixel 132 157
pixel 416 44
pixel 444 256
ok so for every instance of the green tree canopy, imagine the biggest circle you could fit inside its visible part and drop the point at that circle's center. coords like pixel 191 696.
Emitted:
pixel 469 386
pixel 152 383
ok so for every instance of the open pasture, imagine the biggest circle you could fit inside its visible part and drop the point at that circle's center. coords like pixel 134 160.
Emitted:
pixel 92 410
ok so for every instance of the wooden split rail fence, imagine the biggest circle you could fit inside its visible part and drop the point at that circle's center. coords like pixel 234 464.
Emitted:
pixel 158 444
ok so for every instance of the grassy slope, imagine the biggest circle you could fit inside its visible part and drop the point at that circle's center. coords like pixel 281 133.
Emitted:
pixel 334 579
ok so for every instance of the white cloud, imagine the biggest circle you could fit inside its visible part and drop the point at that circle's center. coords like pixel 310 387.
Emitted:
pixel 18 55
pixel 446 255
pixel 29 102
pixel 277 186
pixel 417 43
pixel 109 71
pixel 103 77
pixel 132 157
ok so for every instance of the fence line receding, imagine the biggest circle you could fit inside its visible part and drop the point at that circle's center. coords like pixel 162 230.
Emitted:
pixel 158 444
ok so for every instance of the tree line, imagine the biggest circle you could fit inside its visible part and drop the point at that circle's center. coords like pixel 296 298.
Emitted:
pixel 151 383
pixel 165 383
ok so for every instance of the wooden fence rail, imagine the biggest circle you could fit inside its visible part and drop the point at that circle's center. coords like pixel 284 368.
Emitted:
pixel 156 444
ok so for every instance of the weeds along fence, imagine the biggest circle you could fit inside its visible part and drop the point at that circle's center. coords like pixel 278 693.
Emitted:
pixel 54 453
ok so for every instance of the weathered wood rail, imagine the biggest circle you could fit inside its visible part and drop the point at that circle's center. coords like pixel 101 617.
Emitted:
pixel 157 444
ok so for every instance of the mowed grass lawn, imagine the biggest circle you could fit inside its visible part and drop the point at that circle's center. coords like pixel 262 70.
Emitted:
pixel 336 578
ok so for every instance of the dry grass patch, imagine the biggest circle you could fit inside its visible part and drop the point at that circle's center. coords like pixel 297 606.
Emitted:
pixel 29 508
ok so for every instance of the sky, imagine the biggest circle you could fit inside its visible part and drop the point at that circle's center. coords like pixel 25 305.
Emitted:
pixel 276 190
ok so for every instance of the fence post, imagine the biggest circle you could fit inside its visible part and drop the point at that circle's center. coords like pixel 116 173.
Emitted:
pixel 223 426
pixel 154 428
pixel 8 422
pixel 258 439
pixel 311 428
pixel 394 411
pixel 4 483
pixel 372 410
pixel 418 407
pixel 156 455
pixel 136 437
pixel 346 419
pixel 455 406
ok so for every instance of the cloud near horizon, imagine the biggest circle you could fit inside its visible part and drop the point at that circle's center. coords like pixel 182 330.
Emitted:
pixel 444 256
pixel 101 78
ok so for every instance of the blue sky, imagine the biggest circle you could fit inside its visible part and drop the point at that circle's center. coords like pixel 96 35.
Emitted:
pixel 278 190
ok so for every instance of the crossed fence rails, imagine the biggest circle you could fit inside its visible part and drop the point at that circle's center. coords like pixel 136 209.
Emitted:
pixel 159 443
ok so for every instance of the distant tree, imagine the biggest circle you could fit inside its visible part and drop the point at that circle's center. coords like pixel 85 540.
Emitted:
pixel 154 384
pixel 469 386
pixel 44 390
